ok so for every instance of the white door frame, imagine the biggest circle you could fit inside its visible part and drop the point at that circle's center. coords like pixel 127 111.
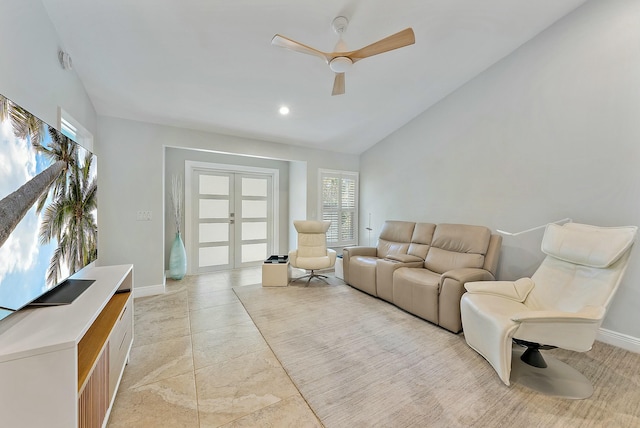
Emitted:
pixel 189 167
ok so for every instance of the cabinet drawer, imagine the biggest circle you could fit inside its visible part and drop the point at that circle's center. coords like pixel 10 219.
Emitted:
pixel 122 325
pixel 119 343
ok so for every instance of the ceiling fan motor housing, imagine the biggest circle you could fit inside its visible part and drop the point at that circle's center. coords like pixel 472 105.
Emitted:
pixel 340 64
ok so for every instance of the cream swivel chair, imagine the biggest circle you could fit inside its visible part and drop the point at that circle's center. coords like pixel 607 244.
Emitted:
pixel 312 252
pixel 562 305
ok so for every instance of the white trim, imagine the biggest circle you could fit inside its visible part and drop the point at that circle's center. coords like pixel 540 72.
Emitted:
pixel 149 290
pixel 620 340
pixel 82 135
pixel 189 166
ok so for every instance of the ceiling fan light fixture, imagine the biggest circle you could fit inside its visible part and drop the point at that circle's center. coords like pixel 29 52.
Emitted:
pixel 340 64
pixel 341 60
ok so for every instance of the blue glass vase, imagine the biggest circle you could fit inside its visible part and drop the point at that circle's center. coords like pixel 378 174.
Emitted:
pixel 177 259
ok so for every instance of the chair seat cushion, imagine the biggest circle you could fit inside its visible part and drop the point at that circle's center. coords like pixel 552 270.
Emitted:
pixel 313 262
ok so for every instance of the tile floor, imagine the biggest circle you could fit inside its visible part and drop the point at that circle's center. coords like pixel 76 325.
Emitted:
pixel 199 361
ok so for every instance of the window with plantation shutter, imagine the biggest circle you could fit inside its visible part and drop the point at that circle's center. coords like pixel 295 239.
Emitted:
pixel 339 204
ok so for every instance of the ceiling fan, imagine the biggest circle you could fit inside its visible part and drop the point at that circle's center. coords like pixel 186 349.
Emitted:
pixel 341 60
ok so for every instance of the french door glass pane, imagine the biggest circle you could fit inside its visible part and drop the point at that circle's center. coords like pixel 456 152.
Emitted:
pixel 214 185
pixel 254 252
pixel 213 256
pixel 254 187
pixel 214 232
pixel 254 209
pixel 214 208
pixel 218 242
pixel 252 231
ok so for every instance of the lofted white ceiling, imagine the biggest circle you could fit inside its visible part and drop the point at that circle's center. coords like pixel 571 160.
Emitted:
pixel 209 64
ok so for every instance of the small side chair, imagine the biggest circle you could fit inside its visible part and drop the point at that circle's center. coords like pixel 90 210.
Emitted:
pixel 312 252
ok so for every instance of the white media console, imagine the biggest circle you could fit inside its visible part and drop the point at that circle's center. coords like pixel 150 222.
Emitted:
pixel 60 366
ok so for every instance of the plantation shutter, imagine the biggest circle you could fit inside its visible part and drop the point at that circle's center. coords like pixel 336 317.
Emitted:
pixel 339 204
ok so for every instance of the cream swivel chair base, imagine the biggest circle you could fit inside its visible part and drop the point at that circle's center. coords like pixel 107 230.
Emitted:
pixel 556 379
pixel 311 276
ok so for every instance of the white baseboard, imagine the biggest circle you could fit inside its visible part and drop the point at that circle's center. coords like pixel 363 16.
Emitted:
pixel 620 340
pixel 149 290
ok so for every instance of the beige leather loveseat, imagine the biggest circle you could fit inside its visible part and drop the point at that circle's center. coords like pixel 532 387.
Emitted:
pixel 422 267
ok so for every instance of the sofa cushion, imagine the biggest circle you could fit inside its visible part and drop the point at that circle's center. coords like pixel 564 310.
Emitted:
pixel 386 248
pixel 457 246
pixel 442 261
pixel 461 238
pixel 395 238
pixel 416 291
pixel 421 239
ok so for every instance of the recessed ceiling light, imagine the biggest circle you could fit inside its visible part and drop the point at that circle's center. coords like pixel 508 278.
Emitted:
pixel 284 110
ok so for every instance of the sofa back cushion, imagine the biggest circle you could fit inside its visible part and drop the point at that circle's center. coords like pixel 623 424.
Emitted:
pixel 421 239
pixel 457 246
pixel 395 238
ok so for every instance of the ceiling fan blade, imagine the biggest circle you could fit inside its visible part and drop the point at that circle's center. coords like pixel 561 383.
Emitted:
pixel 285 42
pixel 338 84
pixel 401 39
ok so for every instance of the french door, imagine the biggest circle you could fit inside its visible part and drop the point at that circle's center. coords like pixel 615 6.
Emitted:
pixel 231 219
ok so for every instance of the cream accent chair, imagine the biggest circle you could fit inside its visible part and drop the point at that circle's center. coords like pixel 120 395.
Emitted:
pixel 312 252
pixel 562 305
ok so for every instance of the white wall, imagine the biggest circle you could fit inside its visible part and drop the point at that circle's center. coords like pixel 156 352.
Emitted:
pixel 132 179
pixel 551 131
pixel 297 192
pixel 30 74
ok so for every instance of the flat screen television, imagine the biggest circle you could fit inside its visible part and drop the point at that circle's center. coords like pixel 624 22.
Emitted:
pixel 48 212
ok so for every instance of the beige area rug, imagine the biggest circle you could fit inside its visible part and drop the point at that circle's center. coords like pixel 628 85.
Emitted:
pixel 362 362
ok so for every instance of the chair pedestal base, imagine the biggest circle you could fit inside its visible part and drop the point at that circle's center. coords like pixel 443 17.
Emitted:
pixel 310 276
pixel 557 379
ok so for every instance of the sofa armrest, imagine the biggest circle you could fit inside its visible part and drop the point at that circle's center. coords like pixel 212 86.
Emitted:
pixel 349 252
pixel 359 251
pixel 513 290
pixel 464 275
pixel 451 291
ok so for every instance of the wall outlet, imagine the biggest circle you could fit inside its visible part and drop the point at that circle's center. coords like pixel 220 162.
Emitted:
pixel 143 216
